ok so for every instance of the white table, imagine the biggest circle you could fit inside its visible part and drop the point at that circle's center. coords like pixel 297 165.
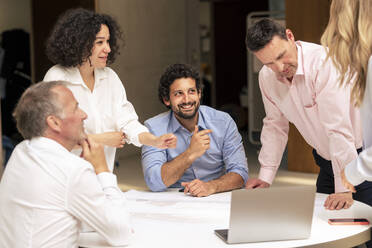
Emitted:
pixel 172 219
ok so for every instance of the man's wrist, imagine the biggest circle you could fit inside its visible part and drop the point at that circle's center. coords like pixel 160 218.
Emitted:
pixel 213 187
pixel 190 156
pixel 101 168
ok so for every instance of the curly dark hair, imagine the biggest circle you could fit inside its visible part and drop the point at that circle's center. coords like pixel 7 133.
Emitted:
pixel 72 38
pixel 262 32
pixel 174 72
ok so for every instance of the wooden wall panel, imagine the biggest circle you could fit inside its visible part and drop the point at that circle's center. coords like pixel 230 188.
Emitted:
pixel 307 20
pixel 44 15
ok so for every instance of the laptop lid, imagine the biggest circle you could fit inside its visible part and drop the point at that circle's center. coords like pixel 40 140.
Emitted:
pixel 269 214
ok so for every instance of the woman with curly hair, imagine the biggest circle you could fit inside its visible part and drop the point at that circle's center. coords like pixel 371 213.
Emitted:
pixel 348 37
pixel 82 44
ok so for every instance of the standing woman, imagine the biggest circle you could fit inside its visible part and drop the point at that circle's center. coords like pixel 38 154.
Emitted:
pixel 348 37
pixel 81 45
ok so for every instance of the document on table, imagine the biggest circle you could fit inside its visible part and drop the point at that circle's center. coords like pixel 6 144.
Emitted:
pixel 174 206
pixel 175 196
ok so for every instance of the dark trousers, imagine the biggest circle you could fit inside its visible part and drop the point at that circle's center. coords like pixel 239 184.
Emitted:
pixel 325 183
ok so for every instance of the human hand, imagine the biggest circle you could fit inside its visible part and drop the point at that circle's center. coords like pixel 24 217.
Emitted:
pixel 199 188
pixel 94 154
pixel 339 201
pixel 165 141
pixel 200 142
pixel 253 183
pixel 346 183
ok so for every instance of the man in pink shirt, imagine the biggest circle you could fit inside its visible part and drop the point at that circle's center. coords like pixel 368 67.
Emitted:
pixel 299 85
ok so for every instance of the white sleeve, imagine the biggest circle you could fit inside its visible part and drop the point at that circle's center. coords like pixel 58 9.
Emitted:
pixel 97 201
pixel 366 109
pixel 360 169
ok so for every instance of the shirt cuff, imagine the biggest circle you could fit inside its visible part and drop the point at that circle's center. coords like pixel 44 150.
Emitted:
pixel 339 187
pixel 352 174
pixel 132 138
pixel 154 181
pixel 267 175
pixel 107 179
pixel 241 172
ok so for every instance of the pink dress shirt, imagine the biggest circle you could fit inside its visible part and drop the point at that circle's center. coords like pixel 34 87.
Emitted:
pixel 316 105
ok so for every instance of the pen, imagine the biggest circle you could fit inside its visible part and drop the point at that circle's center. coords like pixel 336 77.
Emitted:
pixel 181 190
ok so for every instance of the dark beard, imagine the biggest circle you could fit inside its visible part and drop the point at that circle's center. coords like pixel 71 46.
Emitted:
pixel 180 114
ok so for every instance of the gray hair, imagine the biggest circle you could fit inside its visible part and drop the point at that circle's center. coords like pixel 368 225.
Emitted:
pixel 35 105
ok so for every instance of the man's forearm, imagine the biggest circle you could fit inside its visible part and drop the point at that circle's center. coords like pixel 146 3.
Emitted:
pixel 227 182
pixel 173 170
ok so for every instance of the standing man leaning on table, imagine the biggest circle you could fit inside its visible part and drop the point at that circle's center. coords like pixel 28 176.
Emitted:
pixel 300 86
pixel 46 191
pixel 209 157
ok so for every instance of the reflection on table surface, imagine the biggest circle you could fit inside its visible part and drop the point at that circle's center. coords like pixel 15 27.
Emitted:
pixel 173 219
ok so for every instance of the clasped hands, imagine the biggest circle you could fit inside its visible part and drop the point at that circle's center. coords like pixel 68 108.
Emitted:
pixel 199 188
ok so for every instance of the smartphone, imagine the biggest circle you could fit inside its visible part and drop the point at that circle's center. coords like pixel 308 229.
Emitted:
pixel 349 221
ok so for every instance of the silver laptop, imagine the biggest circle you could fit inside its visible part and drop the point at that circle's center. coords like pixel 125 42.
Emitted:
pixel 270 214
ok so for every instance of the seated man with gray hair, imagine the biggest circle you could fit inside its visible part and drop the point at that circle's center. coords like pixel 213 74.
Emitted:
pixel 46 192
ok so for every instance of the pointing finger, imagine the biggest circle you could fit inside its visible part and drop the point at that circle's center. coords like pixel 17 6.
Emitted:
pixel 205 131
pixel 196 129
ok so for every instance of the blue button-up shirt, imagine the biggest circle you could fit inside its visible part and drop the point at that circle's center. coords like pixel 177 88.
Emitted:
pixel 226 153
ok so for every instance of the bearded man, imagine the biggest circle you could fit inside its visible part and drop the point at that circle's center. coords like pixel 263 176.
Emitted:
pixel 209 157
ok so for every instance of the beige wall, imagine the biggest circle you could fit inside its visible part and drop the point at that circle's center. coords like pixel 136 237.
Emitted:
pixel 300 18
pixel 15 14
pixel 205 13
pixel 156 35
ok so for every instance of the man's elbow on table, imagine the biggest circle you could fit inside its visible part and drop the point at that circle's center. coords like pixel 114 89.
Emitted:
pixel 120 232
pixel 155 186
pixel 152 175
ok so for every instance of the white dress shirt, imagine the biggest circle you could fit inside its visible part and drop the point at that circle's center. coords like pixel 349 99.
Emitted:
pixel 46 192
pixel 360 169
pixel 107 106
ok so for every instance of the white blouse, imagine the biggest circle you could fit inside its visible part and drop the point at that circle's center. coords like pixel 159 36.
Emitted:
pixel 107 106
pixel 360 169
